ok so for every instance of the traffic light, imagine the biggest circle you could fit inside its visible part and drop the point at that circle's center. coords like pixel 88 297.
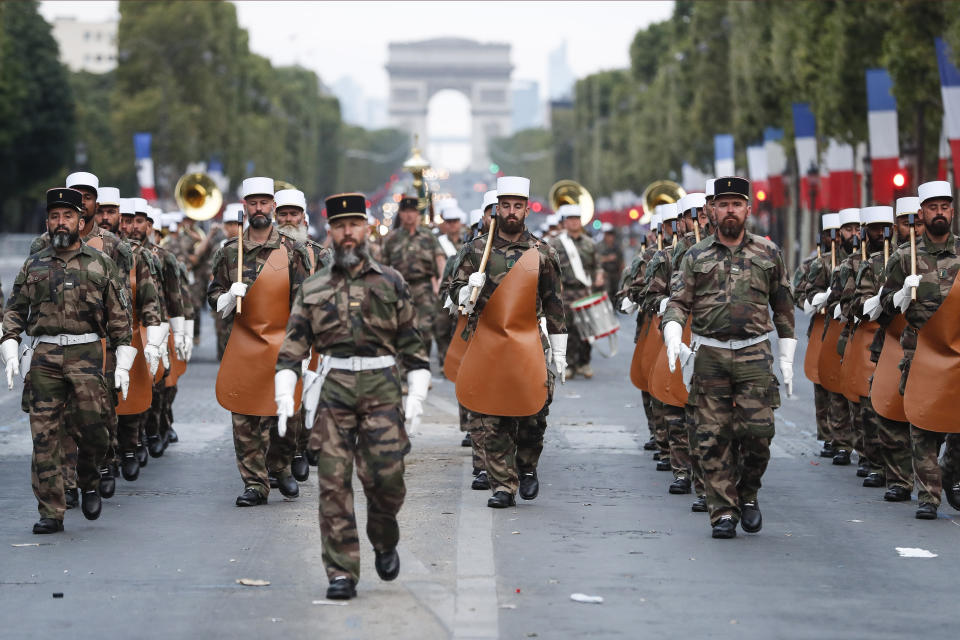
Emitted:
pixel 537 207
pixel 761 195
pixel 494 167
pixel 634 214
pixel 899 179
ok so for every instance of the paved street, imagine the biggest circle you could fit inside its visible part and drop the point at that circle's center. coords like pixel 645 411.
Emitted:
pixel 164 559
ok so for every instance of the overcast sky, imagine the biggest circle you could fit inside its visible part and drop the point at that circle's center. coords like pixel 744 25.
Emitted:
pixel 350 38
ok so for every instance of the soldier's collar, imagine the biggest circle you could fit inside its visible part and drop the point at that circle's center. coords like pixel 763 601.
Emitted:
pixel 948 245
pixel 272 241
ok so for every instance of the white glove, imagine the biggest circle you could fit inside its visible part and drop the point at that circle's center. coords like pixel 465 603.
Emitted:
pixel 188 343
pixel 872 308
pixel 663 306
pixel 418 382
pixel 788 347
pixel 819 299
pixel 121 376
pixel 807 307
pixel 687 360
pixel 227 302
pixel 474 283
pixel 450 307
pixel 165 345
pixel 153 348
pixel 284 384
pixel 311 397
pixel 672 333
pixel 901 298
pixel 837 313
pixel 177 326
pixel 558 349
pixel 9 349
pixel 628 306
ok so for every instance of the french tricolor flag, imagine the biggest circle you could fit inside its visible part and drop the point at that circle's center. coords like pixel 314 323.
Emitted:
pixel 757 169
pixel 882 126
pixel 141 148
pixel 843 186
pixel 805 140
pixel 776 165
pixel 950 89
pixel 944 155
pixel 723 155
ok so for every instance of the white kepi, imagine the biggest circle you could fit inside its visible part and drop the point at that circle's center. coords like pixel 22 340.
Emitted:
pixel 927 191
pixel 256 187
pixel 513 186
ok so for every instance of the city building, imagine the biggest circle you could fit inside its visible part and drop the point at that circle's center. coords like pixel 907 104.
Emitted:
pixel 527 110
pixel 87 46
pixel 560 76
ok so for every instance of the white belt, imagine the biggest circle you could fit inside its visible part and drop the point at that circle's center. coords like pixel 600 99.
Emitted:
pixel 70 339
pixel 698 341
pixel 358 363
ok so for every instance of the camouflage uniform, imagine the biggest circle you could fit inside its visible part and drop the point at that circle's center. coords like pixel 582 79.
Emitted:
pixel 578 349
pixel 937 266
pixel 611 261
pixel 221 325
pixel 189 313
pixel 360 415
pixel 252 435
pixel 726 292
pixel 840 426
pixel 632 288
pixel 415 255
pixel 893 436
pixel 821 399
pixel 157 424
pixel 443 322
pixel 503 435
pixel 73 292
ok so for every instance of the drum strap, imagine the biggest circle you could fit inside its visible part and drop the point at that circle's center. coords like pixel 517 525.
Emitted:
pixel 574 255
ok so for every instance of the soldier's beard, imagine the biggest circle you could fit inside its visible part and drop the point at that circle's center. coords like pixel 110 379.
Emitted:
pixel 259 221
pixel 136 236
pixel 349 257
pixel 297 232
pixel 63 238
pixel 847 245
pixel 510 224
pixel 731 227
pixel 939 226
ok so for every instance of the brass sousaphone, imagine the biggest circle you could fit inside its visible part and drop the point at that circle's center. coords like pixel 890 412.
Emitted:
pixel 198 196
pixel 572 192
pixel 659 192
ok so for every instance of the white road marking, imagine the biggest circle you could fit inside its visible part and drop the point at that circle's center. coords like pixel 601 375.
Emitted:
pixel 608 438
pixel 477 613
pixel 776 451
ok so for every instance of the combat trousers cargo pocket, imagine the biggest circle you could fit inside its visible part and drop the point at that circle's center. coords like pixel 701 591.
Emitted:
pixel 755 403
pixel 27 398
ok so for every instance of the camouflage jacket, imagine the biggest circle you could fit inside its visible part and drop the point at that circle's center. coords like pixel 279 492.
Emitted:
pixel 450 269
pixel 843 284
pixel 799 285
pixel 342 315
pixel 68 292
pixel 186 296
pixel 169 279
pixel 588 257
pixel 254 257
pixel 684 243
pixel 114 247
pixel 656 279
pixel 318 256
pixel 820 274
pixel 868 283
pixel 503 256
pixel 147 302
pixel 636 277
pixel 726 291
pixel 937 266
pixel 611 259
pixel 413 255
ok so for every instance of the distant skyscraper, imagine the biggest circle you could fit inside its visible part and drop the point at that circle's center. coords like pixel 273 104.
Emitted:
pixel 559 74
pixel 526 105
pixel 352 106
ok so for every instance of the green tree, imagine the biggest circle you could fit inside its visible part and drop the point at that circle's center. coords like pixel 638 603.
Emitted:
pixel 368 158
pixel 527 153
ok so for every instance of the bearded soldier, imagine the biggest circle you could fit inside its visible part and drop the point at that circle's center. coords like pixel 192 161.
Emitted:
pixel 67 297
pixel 581 273
pixel 937 266
pixel 413 251
pixel 450 239
pixel 273 267
pixel 512 444
pixel 726 284
pixel 359 315
pixel 232 226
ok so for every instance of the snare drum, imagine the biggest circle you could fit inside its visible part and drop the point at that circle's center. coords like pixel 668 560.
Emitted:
pixel 595 318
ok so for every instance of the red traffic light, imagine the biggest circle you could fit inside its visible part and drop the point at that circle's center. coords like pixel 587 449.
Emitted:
pixel 537 207
pixel 761 195
pixel 899 179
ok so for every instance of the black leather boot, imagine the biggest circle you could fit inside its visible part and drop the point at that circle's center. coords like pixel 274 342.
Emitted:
pixel 480 482
pixel 699 505
pixel 299 467
pixel 897 494
pixel 387 564
pixel 680 486
pixel 529 485
pixel 108 484
pixel 250 498
pixel 72 496
pixel 155 446
pixel 501 500
pixel 927 511
pixel 751 520
pixel 726 527
pixel 91 504
pixel 130 468
pixel 48 525
pixel 287 485
pixel 342 588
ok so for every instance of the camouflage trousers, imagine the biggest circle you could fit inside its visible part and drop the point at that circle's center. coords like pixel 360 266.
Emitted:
pixel 870 444
pixel 895 452
pixel 280 452
pixel 511 446
pixel 690 420
pixel 222 327
pixel 675 420
pixel 578 349
pixel 251 440
pixel 425 302
pixel 71 453
pixel 359 421
pixel 66 395
pixel 856 423
pixel 841 421
pixel 157 419
pixel 925 446
pixel 470 423
pixel 661 434
pixel 648 411
pixel 303 433
pixel 734 393
pixel 821 402
pixel 443 327
pixel 128 432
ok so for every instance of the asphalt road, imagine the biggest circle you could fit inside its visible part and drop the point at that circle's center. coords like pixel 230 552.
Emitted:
pixel 164 558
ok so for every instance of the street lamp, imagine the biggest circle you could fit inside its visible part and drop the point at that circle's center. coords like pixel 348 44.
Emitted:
pixel 416 164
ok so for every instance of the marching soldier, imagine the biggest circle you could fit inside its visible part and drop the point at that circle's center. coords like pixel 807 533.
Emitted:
pixel 893 435
pixel 359 315
pixel 272 291
pixel 450 239
pixel 413 251
pixel 726 285
pixel 610 255
pixel 232 226
pixel 512 444
pixel 581 273
pixel 67 296
pixel 937 266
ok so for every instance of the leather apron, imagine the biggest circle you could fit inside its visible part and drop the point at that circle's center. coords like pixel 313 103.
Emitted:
pixel 140 392
pixel 504 372
pixel 885 390
pixel 458 347
pixel 811 360
pixel 935 370
pixel 651 347
pixel 245 378
pixel 638 372
pixel 668 387
pixel 857 368
pixel 828 363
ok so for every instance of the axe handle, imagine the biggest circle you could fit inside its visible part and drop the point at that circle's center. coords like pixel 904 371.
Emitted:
pixel 913 259
pixel 486 254
pixel 240 264
pixel 886 251
pixel 696 230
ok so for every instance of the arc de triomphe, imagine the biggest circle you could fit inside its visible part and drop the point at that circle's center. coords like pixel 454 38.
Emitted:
pixel 479 71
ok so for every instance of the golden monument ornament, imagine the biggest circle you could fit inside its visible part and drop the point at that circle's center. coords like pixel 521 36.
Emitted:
pixel 416 164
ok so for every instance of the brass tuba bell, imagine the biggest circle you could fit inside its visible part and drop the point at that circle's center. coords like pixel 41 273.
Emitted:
pixel 572 192
pixel 198 196
pixel 280 185
pixel 659 192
